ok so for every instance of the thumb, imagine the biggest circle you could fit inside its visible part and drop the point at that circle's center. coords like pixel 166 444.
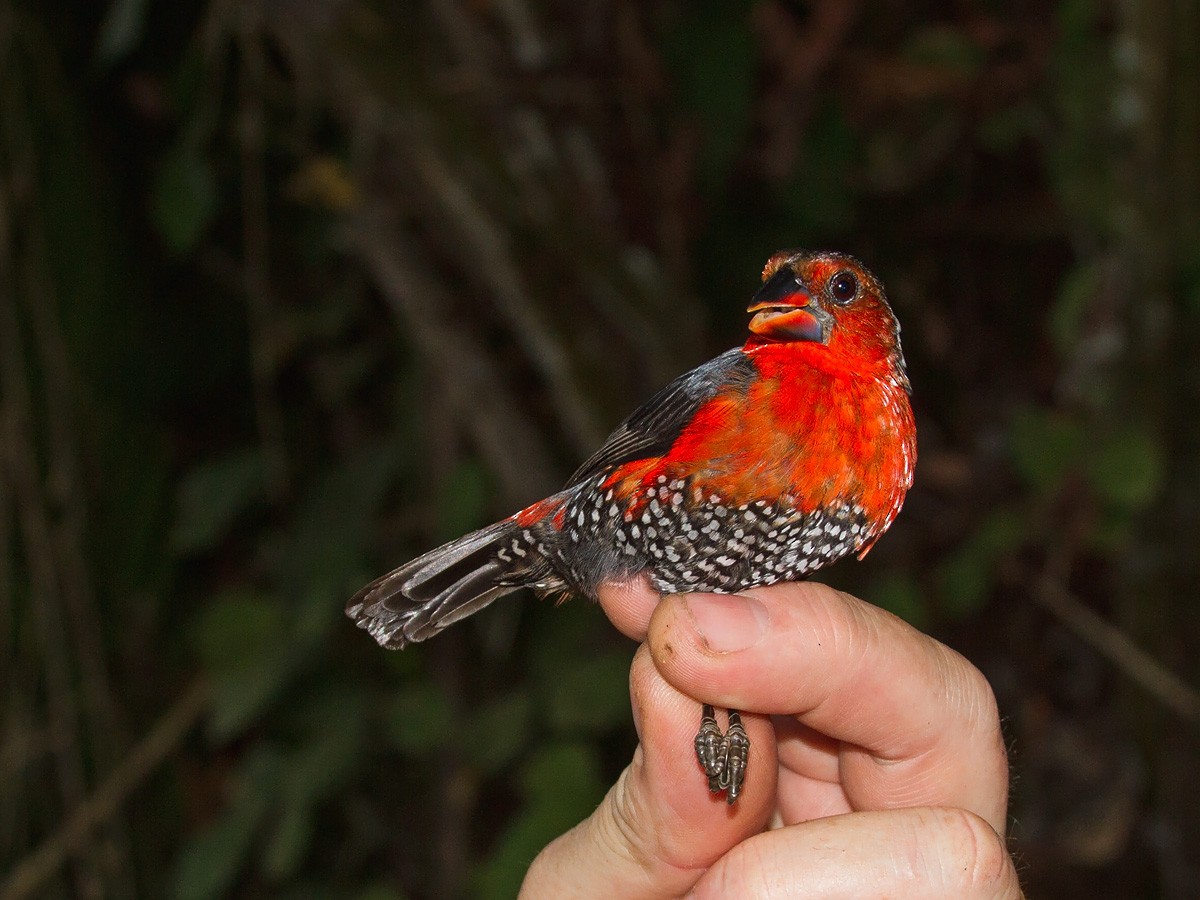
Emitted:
pixel 658 829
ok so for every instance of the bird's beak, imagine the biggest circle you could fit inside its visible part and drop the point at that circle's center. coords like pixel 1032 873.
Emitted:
pixel 785 311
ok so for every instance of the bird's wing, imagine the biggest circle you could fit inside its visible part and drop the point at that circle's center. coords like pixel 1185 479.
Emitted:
pixel 652 428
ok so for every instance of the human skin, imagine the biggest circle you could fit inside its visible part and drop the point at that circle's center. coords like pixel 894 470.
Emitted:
pixel 877 766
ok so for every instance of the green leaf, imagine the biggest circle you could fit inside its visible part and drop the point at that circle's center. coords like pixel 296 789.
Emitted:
pixel 241 694
pixel 324 552
pixel 1112 531
pixel 322 558
pixel 562 785
pixel 568 770
pixel 1004 530
pixel 243 640
pixel 901 596
pixel 1127 469
pixel 590 695
pixel 121 29
pixel 945 47
pixel 1044 446
pixel 711 52
pixel 289 842
pixel 965 579
pixel 418 720
pixel 1070 307
pixel 1190 291
pixel 212 497
pixel 820 196
pixel 463 501
pixel 336 721
pixel 562 636
pixel 380 892
pixel 235 626
pixel 210 861
pixel 494 735
pixel 184 198
pixel 1004 129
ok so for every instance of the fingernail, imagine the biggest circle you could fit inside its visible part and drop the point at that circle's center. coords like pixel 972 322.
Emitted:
pixel 727 622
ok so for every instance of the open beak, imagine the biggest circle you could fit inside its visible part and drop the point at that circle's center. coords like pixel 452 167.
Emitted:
pixel 785 311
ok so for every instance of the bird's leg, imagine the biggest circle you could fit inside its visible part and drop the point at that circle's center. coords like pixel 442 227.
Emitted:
pixel 723 756
pixel 711 748
pixel 737 752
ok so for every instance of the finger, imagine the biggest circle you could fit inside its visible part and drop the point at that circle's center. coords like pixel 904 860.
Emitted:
pixel 659 828
pixel 924 853
pixel 804 749
pixel 629 605
pixel 920 721
pixel 810 783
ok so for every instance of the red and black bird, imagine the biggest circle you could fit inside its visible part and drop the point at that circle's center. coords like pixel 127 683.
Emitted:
pixel 760 466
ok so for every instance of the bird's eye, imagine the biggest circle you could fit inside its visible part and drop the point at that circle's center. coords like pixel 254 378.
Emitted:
pixel 843 287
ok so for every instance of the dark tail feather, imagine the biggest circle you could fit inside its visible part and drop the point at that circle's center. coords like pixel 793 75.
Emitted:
pixel 419 599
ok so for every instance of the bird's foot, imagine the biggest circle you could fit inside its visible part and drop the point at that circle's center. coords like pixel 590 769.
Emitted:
pixel 723 757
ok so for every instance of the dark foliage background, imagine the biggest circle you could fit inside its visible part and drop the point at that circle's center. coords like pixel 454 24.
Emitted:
pixel 291 290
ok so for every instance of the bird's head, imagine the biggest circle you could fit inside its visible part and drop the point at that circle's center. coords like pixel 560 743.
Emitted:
pixel 831 300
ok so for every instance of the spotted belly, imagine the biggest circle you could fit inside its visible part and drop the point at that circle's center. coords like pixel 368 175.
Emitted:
pixel 693 540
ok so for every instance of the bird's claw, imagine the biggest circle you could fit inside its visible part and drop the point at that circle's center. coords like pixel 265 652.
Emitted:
pixel 723 757
pixel 711 748
pixel 737 752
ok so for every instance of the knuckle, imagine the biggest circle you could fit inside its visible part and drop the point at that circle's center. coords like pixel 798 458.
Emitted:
pixel 979 861
pixel 624 830
pixel 972 691
pixel 618 828
pixel 970 695
pixel 641 671
pixel 985 711
pixel 743 872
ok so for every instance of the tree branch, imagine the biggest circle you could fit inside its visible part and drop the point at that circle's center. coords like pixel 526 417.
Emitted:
pixel 145 758
pixel 1117 647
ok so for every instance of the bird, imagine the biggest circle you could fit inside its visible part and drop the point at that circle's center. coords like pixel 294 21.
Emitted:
pixel 760 466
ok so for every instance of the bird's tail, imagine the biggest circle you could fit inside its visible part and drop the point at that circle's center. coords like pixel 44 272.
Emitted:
pixel 419 599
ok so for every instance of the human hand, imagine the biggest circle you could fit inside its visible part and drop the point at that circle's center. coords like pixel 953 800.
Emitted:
pixel 876 767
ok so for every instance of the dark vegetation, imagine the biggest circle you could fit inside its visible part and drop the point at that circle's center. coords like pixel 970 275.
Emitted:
pixel 290 291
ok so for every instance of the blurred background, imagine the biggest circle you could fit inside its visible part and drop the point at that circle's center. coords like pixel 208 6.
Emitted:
pixel 291 290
